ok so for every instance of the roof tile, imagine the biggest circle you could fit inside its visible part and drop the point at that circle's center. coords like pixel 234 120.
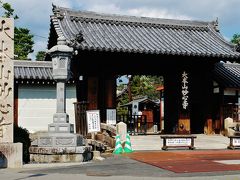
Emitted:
pixel 104 32
pixel 227 74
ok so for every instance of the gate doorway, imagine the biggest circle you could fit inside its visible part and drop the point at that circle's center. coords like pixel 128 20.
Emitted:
pixel 184 52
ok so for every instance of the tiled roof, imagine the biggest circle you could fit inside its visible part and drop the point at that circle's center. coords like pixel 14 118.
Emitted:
pixel 143 100
pixel 115 33
pixel 227 74
pixel 34 70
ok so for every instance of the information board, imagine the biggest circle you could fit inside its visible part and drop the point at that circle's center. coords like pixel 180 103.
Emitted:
pixel 236 142
pixel 93 121
pixel 178 142
pixel 111 116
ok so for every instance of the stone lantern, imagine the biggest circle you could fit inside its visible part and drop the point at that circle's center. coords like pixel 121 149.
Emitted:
pixel 61 58
pixel 60 144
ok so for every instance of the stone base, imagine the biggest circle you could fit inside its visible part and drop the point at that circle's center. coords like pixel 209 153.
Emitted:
pixel 11 155
pixel 59 140
pixel 60 154
pixel 61 128
pixel 97 156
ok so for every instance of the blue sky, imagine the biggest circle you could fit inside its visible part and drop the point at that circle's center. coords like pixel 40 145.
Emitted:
pixel 34 14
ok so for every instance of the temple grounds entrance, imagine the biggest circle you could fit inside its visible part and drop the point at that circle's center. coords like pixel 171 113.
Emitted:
pixel 98 85
pixel 183 52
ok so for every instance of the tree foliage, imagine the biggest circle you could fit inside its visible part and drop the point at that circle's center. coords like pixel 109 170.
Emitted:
pixel 40 56
pixel 140 85
pixel 23 40
pixel 236 39
pixel 23 43
pixel 8 10
pixel 145 86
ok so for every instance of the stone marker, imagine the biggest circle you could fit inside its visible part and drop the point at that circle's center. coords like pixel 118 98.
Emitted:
pixel 10 153
pixel 121 129
pixel 228 122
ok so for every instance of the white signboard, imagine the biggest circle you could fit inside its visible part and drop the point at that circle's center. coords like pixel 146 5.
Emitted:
pixel 111 116
pixel 178 142
pixel 135 108
pixel 236 142
pixel 93 121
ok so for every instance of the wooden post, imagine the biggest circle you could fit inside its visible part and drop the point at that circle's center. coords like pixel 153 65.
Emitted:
pixel 110 92
pixel 171 102
pixel 93 93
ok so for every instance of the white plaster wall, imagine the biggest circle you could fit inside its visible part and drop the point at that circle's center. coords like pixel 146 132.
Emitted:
pixel 37 104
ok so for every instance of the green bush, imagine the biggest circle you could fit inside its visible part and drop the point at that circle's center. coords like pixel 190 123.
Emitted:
pixel 22 135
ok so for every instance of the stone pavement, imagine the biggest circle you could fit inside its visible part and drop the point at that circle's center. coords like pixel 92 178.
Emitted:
pixel 122 167
pixel 154 142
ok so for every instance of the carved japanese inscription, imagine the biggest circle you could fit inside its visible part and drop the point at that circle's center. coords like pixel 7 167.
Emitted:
pixel 6 79
pixel 185 90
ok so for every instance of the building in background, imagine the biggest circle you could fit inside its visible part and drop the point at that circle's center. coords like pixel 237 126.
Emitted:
pixel 35 95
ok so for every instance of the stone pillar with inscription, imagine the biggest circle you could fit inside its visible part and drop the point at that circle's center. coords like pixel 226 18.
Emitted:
pixel 10 153
pixel 60 144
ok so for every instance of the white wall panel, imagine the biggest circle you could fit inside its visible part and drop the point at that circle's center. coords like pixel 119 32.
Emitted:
pixel 37 104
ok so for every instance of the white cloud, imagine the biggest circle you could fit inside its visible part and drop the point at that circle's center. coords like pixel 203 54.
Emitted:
pixel 157 13
pixel 106 8
pixel 34 14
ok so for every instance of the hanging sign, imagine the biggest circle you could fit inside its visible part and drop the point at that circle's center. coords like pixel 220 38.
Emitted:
pixel 93 121
pixel 111 116
pixel 185 90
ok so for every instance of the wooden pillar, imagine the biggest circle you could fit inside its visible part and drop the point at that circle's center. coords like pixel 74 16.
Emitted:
pixel 238 105
pixel 81 105
pixel 110 92
pixel 82 88
pixel 93 93
pixel 160 112
pixel 171 86
pixel 201 97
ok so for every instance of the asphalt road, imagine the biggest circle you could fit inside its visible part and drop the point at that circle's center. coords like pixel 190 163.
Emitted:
pixel 113 167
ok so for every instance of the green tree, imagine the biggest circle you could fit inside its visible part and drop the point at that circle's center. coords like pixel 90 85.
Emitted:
pixel 8 10
pixel 236 39
pixel 23 43
pixel 23 40
pixel 40 56
pixel 145 86
pixel 139 86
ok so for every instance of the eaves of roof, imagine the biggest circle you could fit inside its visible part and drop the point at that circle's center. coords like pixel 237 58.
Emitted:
pixel 114 33
pixel 227 74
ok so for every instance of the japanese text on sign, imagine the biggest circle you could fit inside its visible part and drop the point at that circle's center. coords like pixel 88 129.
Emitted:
pixel 178 142
pixel 93 121
pixel 185 90
pixel 236 142
pixel 111 116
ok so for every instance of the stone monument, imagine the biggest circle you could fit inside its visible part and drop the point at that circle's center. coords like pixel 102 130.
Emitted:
pixel 60 144
pixel 121 129
pixel 10 153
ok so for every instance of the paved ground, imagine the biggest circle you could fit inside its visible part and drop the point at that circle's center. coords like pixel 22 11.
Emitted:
pixel 179 162
pixel 153 142
pixel 148 147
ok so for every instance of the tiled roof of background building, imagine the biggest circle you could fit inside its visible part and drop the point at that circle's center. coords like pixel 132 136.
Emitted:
pixel 34 70
pixel 227 74
pixel 115 33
